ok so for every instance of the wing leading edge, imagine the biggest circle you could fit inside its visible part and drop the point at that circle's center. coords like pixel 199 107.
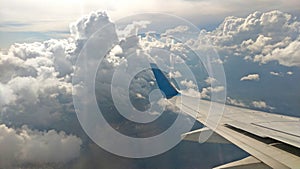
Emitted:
pixel 273 141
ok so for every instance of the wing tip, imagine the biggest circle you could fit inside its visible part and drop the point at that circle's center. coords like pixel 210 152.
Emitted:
pixel 163 83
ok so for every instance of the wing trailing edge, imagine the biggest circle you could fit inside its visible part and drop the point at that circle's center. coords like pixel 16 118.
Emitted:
pixel 212 136
pixel 245 163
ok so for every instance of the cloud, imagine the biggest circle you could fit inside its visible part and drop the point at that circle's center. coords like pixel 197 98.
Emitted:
pixel 85 26
pixel 217 89
pixel 140 96
pixel 210 80
pixel 188 84
pixel 259 37
pixel 287 56
pixel 253 104
pixel 164 103
pixel 250 77
pixel 261 105
pixel 7 95
pixel 21 146
pixel 36 91
pixel 132 29
pixel 36 81
pixel 194 93
pixel 37 88
pixel 218 61
pixel 57 14
pixel 235 102
pixel 206 92
pixel 178 29
pixel 275 73
pixel 175 74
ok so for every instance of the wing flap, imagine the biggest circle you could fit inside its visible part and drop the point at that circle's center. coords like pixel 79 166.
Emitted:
pixel 246 163
pixel 246 127
pixel 212 136
pixel 281 131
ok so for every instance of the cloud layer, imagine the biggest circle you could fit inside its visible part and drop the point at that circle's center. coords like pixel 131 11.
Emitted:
pixel 36 91
pixel 37 79
pixel 36 88
pixel 36 82
pixel 57 14
pixel 23 145
pixel 260 37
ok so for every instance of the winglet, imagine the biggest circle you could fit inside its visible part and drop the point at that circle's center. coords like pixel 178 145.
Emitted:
pixel 163 83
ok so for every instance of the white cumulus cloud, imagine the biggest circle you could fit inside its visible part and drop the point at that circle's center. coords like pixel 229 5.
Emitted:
pixel 206 92
pixel 261 105
pixel 250 77
pixel 84 27
pixel 210 80
pixel 23 145
pixel 188 84
pixel 36 87
pixel 175 74
pixel 235 102
pixel 275 73
pixel 36 91
pixel 260 37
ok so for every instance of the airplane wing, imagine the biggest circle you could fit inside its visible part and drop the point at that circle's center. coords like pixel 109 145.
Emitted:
pixel 273 141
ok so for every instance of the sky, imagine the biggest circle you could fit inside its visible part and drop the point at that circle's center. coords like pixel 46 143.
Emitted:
pixel 33 20
pixel 257 43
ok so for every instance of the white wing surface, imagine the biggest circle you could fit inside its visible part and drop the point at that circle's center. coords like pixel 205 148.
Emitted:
pixel 272 140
